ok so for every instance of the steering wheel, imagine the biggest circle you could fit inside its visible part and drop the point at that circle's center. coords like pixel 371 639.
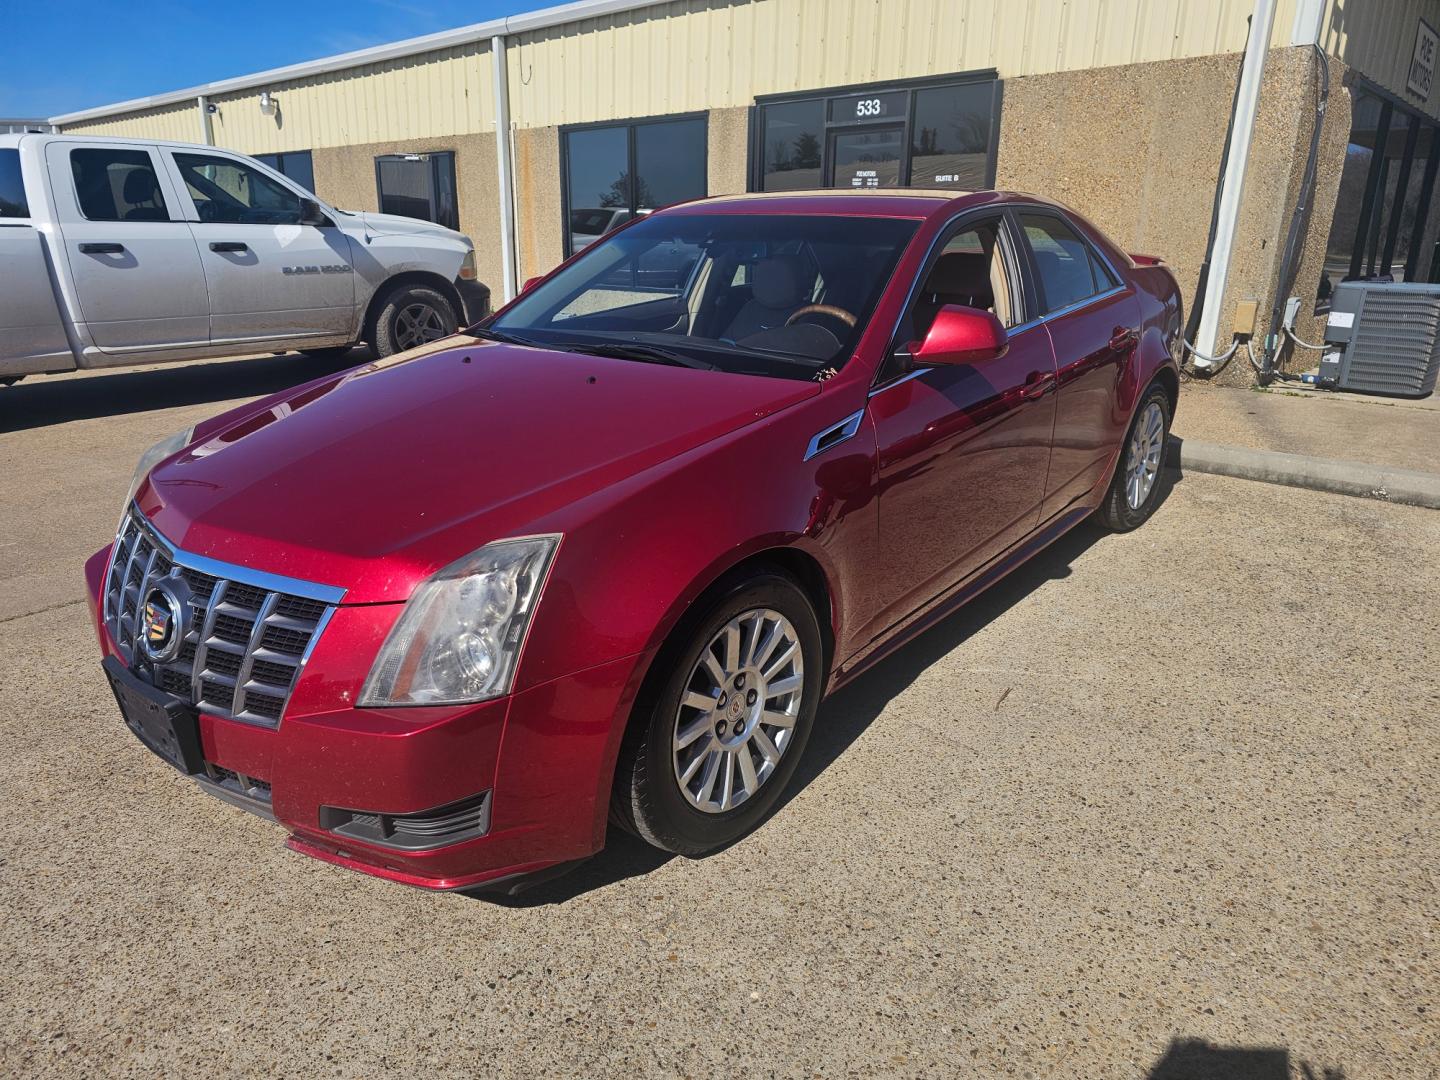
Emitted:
pixel 823 309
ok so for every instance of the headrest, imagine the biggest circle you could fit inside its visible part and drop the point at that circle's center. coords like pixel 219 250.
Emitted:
pixel 775 282
pixel 140 186
pixel 962 277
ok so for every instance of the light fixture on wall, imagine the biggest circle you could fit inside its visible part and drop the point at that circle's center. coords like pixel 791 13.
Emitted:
pixel 268 104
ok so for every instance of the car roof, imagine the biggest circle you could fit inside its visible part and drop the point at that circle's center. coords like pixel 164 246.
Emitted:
pixel 845 202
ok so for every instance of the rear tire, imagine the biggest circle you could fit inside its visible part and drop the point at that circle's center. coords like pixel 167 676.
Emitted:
pixel 751 711
pixel 410 316
pixel 1135 488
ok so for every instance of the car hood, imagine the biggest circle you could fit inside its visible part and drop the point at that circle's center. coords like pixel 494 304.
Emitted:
pixel 397 224
pixel 373 479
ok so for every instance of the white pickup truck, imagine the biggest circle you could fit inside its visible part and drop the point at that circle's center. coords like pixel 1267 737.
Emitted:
pixel 123 251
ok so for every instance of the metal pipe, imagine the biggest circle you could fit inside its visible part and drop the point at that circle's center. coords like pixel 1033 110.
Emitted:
pixel 1232 184
pixel 207 130
pixel 504 166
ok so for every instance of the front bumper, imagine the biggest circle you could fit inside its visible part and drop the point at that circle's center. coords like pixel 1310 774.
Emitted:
pixel 476 299
pixel 545 756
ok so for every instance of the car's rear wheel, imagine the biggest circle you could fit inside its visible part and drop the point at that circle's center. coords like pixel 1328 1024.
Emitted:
pixel 1135 489
pixel 712 749
pixel 410 316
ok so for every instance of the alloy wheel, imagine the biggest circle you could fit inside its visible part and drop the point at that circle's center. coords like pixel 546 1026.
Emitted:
pixel 1142 458
pixel 417 324
pixel 738 712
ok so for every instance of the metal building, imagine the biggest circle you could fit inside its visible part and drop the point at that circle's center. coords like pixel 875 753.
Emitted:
pixel 595 111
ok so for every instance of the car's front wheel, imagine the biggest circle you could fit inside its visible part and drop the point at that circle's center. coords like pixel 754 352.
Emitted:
pixel 410 316
pixel 714 746
pixel 1135 490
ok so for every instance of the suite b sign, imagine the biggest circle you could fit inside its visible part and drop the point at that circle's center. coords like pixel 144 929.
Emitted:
pixel 1422 64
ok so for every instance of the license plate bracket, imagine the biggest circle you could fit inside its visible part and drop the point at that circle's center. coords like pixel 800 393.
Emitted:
pixel 168 728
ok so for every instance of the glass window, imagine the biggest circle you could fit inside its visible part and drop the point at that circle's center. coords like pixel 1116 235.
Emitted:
pixel 674 283
pixel 12 186
pixel 669 162
pixel 792 145
pixel 231 192
pixel 867 159
pixel 294 165
pixel 950 138
pixel 418 186
pixel 1067 270
pixel 117 185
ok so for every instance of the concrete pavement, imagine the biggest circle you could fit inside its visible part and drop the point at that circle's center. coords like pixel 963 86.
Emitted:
pixel 1159 801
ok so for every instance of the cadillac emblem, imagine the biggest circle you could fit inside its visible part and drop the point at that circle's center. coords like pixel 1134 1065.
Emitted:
pixel 161 627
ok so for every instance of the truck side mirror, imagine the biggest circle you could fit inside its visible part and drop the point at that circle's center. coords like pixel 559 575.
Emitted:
pixel 312 214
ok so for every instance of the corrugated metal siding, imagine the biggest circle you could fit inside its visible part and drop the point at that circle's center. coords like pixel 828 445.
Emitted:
pixel 1378 40
pixel 696 54
pixel 180 122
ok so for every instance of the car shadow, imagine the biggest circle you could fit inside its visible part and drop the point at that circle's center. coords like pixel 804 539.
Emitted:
pixel 843 717
pixel 41 402
pixel 1196 1059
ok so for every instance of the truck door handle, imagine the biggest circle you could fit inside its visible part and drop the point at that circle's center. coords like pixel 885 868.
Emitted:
pixel 228 245
pixel 102 249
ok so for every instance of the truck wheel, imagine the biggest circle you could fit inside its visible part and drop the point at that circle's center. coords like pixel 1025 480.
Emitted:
pixel 412 315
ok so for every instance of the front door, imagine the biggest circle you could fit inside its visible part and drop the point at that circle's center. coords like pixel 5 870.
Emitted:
pixel 868 158
pixel 268 276
pixel 963 450
pixel 131 257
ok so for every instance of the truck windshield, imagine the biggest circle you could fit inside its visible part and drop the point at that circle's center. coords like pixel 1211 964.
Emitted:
pixel 769 294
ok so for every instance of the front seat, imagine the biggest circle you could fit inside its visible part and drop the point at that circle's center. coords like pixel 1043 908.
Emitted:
pixel 777 293
pixel 142 187
pixel 959 277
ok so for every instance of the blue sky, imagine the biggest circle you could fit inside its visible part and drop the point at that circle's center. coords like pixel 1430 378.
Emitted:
pixel 65 55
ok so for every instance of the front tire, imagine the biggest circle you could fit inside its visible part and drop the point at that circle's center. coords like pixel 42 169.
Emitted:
pixel 411 316
pixel 1135 488
pixel 712 749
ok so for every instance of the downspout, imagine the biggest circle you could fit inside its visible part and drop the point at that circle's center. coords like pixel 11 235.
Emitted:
pixel 1232 184
pixel 504 166
pixel 207 132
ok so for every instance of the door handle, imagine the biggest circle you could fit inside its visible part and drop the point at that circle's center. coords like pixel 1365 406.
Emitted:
pixel 1037 384
pixel 1122 339
pixel 102 249
pixel 228 245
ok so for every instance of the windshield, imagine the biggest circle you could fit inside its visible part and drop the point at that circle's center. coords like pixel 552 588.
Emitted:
pixel 769 294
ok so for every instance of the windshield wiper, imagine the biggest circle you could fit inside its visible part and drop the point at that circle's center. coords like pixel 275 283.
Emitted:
pixel 648 354
pixel 496 335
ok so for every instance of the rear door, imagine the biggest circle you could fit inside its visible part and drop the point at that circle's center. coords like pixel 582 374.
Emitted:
pixel 32 337
pixel 268 276
pixel 132 260
pixel 1094 322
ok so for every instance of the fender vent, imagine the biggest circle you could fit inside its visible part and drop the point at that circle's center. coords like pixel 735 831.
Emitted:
pixel 834 434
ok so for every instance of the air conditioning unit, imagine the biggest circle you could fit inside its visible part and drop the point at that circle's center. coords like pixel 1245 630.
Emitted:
pixel 1386 336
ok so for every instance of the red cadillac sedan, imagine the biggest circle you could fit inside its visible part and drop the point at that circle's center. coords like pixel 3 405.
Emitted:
pixel 446 615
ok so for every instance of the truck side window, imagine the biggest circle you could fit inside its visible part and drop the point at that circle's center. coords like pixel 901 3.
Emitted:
pixel 12 186
pixel 229 192
pixel 117 185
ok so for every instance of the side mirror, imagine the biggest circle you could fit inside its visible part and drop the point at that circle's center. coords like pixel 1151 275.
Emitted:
pixel 962 335
pixel 312 214
pixel 530 283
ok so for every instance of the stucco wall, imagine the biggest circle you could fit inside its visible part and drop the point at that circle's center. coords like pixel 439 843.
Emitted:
pixel 538 233
pixel 728 150
pixel 345 177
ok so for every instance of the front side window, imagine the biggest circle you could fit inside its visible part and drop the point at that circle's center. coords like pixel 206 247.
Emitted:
pixel 117 185
pixel 616 173
pixel 235 194
pixel 759 294
pixel 296 165
pixel 13 203
pixel 1067 269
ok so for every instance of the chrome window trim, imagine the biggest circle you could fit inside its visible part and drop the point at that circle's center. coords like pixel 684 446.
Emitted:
pixel 245 575
pixel 845 429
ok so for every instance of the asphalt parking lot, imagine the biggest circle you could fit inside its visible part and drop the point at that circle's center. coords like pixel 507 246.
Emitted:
pixel 1161 805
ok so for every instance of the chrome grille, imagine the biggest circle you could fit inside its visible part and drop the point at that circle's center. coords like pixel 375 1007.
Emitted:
pixel 247 633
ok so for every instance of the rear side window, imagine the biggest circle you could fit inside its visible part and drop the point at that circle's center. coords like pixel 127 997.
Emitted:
pixel 1068 269
pixel 117 185
pixel 12 188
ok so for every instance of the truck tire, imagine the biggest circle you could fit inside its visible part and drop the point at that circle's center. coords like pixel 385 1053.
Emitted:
pixel 412 315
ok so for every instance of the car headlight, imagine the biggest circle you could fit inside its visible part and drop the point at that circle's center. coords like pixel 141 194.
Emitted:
pixel 153 456
pixel 467 266
pixel 459 638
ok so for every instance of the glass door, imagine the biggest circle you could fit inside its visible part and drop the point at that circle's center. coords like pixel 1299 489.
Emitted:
pixel 868 158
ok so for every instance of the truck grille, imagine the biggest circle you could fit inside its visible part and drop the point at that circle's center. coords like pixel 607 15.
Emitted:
pixel 246 634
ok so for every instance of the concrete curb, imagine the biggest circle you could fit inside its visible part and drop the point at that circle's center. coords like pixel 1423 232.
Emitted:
pixel 1410 487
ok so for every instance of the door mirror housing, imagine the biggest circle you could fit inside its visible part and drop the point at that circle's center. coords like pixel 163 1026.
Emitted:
pixel 962 335
pixel 311 213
